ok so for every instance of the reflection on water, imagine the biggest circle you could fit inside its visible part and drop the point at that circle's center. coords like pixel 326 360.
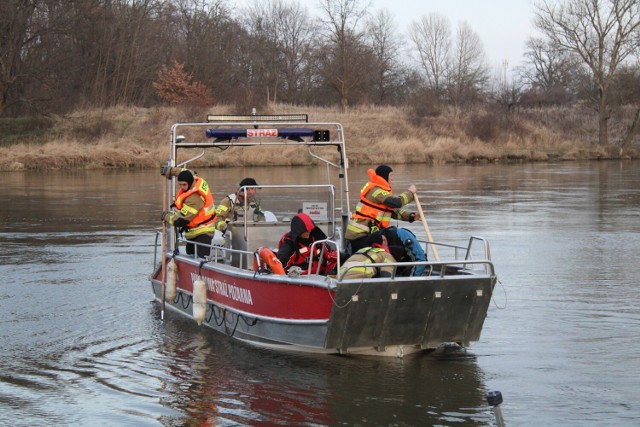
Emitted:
pixel 82 343
pixel 219 382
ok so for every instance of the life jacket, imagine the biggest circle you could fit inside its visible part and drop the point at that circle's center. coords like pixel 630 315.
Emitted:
pixel 207 214
pixel 369 210
pixel 302 254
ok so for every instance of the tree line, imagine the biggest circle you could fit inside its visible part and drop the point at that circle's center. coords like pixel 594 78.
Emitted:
pixel 61 55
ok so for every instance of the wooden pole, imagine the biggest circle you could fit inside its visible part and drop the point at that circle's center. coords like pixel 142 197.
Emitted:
pixel 164 249
pixel 426 227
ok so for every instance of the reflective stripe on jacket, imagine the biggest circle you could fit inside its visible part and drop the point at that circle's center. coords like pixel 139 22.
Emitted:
pixel 368 255
pixel 370 210
pixel 204 216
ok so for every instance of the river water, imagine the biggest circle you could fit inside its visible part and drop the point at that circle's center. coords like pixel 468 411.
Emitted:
pixel 82 343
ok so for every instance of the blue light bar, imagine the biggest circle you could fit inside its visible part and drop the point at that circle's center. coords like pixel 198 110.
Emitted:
pixel 295 134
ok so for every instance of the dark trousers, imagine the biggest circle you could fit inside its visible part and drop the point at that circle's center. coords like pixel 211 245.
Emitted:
pixel 204 249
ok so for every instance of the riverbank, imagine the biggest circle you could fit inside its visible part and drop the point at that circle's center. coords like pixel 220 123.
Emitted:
pixel 133 137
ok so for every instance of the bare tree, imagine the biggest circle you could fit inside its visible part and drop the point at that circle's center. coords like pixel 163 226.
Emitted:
pixel 468 70
pixel 431 36
pixel 345 47
pixel 549 66
pixel 133 60
pixel 550 74
pixel 386 46
pixel 34 39
pixel 296 33
pixel 601 33
pixel 281 34
pixel 213 47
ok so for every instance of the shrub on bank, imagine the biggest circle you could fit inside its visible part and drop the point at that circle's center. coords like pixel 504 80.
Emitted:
pixel 21 129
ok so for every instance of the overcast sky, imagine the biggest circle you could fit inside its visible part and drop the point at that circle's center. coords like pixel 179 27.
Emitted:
pixel 503 25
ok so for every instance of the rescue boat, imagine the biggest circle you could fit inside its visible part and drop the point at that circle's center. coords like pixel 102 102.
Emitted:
pixel 240 291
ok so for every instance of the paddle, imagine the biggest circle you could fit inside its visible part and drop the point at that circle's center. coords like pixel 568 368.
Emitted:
pixel 164 248
pixel 426 227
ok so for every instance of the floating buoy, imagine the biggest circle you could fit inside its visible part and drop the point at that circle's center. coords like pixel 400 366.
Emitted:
pixel 268 259
pixel 199 300
pixel 172 280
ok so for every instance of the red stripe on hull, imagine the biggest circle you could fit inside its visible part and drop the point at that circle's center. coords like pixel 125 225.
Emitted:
pixel 260 298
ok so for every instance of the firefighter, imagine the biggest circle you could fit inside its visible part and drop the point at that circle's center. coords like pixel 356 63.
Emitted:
pixel 378 252
pixel 231 208
pixel 194 211
pixel 294 248
pixel 376 208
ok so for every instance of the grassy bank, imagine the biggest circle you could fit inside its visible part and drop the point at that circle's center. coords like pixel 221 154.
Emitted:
pixel 128 137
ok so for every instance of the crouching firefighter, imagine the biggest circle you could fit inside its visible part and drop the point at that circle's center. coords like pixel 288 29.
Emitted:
pixel 377 253
pixel 294 248
pixel 194 211
pixel 404 247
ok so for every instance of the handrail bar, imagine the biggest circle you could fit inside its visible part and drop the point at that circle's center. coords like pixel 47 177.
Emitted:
pixel 489 269
pixel 466 249
pixel 321 256
pixel 488 264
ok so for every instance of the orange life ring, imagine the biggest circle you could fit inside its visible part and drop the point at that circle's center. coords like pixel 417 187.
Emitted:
pixel 268 259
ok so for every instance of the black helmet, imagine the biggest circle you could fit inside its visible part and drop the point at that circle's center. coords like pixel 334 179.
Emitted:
pixel 248 182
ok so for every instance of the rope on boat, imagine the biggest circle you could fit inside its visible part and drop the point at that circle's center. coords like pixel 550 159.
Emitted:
pixel 210 306
pixel 213 315
pixel 505 298
pixel 233 332
pixel 180 297
pixel 350 299
pixel 215 318
pixel 255 320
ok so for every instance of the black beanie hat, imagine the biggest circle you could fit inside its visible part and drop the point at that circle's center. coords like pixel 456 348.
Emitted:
pixel 186 176
pixel 248 181
pixel 384 171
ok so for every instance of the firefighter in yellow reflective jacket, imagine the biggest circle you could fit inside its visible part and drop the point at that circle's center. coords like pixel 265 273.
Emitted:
pixel 232 207
pixel 194 211
pixel 378 252
pixel 377 207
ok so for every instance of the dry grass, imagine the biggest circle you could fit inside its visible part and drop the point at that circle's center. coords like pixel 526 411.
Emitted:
pixel 129 137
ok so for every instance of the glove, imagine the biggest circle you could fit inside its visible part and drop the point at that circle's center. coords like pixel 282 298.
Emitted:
pixel 163 214
pixel 412 217
pixel 166 171
pixel 294 271
pixel 218 239
pixel 257 214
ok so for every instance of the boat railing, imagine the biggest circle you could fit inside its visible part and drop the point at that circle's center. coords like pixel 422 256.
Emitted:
pixel 462 256
pixel 334 245
pixel 223 254
pixel 432 268
pixel 483 241
pixel 476 249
